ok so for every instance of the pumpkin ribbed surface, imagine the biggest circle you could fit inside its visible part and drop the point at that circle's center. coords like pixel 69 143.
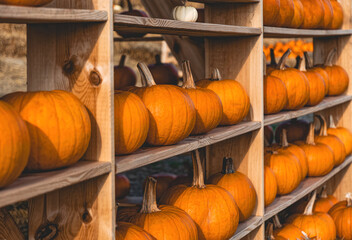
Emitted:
pixel 313 14
pixel 271 11
pixel 270 186
pixel 342 216
pixel 328 14
pixel 343 134
pixel 325 202
pixel 287 11
pixel 129 231
pixel 337 19
pixel 298 16
pixel 275 95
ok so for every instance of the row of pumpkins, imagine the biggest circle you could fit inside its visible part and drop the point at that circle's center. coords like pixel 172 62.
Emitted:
pixel 298 47
pixel 293 88
pixel 306 14
pixel 324 219
pixel 166 114
pixel 191 210
pixel 286 165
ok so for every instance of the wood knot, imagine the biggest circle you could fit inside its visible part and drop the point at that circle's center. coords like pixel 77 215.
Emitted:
pixel 86 217
pixel 95 78
pixel 48 231
pixel 68 67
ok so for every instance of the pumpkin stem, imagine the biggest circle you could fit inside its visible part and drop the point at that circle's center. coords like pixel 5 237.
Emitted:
pixel 284 142
pixel 227 166
pixel 349 199
pixel 146 74
pixel 269 233
pixel 198 175
pixel 332 122
pixel 323 125
pixel 157 59
pixel 264 65
pixel 300 65
pixel 324 193
pixel 122 60
pixel 330 57
pixel 272 57
pixel 215 76
pixel 277 223
pixel 130 7
pixel 309 208
pixel 188 81
pixel 149 198
pixel 281 64
pixel 310 137
pixel 309 63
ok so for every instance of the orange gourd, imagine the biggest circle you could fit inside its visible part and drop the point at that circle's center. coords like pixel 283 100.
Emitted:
pixel 342 216
pixel 122 186
pixel 234 99
pixel 131 122
pixel 316 225
pixel 287 11
pixel 211 207
pixel 26 2
pixel 171 112
pixel 313 14
pixel 14 145
pixel 328 14
pixel 288 231
pixel 298 16
pixel 123 76
pixel 325 202
pixel 342 133
pixel 239 186
pixel 58 124
pixel 129 231
pixel 207 104
pixel 270 186
pixel 163 73
pixel 163 182
pixel 271 11
pixel 296 130
pixel 336 145
pixel 337 19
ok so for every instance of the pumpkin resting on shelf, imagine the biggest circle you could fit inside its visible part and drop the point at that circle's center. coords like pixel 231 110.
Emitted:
pixel 342 216
pixel 270 186
pixel 342 133
pixel 325 202
pixel 129 231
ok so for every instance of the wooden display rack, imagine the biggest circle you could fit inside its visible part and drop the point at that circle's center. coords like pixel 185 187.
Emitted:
pixel 70 47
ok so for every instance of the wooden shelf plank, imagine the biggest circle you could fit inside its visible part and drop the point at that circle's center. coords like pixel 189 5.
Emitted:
pixel 306 186
pixel 142 39
pixel 34 184
pixel 276 32
pixel 150 155
pixel 226 1
pixel 173 27
pixel 247 227
pixel 18 14
pixel 286 115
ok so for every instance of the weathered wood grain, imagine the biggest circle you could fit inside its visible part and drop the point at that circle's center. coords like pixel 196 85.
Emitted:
pixel 143 39
pixel 247 227
pixel 276 32
pixel 8 227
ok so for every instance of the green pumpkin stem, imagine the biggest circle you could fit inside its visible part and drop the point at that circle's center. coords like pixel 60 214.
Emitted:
pixel 324 193
pixel 276 221
pixel 281 64
pixel 272 57
pixel 332 122
pixel 198 175
pixel 215 76
pixel 227 166
pixel 146 75
pixel 188 81
pixel 122 60
pixel 309 208
pixel 308 60
pixel 284 142
pixel 323 125
pixel 310 137
pixel 130 7
pixel 349 199
pixel 330 57
pixel 149 198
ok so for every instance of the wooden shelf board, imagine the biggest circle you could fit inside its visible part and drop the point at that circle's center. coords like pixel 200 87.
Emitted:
pixel 306 186
pixel 247 227
pixel 30 185
pixel 150 155
pixel 226 1
pixel 286 115
pixel 276 32
pixel 18 14
pixel 142 39
pixel 173 27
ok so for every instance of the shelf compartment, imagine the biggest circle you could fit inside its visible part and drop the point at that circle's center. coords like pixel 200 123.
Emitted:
pixel 30 185
pixel 150 155
pixel 19 14
pixel 174 27
pixel 277 32
pixel 286 115
pixel 306 186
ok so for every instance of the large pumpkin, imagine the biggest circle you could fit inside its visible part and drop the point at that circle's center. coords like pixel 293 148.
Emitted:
pixel 288 231
pixel 337 19
pixel 163 73
pixel 211 207
pixel 58 125
pixel 270 186
pixel 287 11
pixel 25 2
pixel 328 14
pixel 296 130
pixel 336 145
pixel 239 186
pixel 325 202
pixel 296 83
pixel 342 133
pixel 123 76
pixel 14 144
pixel 122 186
pixel 207 104
pixel 129 231
pixel 131 122
pixel 298 16
pixel 271 11
pixel 163 102
pixel 313 14
pixel 320 156
pixel 342 216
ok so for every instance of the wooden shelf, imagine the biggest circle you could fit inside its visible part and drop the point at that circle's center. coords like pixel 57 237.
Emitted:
pixel 306 186
pixel 16 14
pixel 34 184
pixel 276 32
pixel 173 27
pixel 143 39
pixel 150 155
pixel 225 1
pixel 246 227
pixel 286 115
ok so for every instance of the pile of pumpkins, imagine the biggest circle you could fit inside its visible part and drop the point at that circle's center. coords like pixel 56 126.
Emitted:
pixel 278 49
pixel 325 219
pixel 191 210
pixel 165 114
pixel 41 131
pixel 287 164
pixel 306 14
pixel 293 88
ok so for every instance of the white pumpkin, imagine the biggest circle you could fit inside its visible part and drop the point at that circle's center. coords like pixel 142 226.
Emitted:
pixel 185 13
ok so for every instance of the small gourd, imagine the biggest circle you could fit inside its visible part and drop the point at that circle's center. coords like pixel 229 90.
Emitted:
pixel 185 13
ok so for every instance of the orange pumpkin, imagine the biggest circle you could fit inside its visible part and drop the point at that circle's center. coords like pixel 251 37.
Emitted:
pixel 325 202
pixel 342 216
pixel 162 102
pixel 164 73
pixel 163 182
pixel 269 233
pixel 336 145
pixel 337 19
pixel 123 76
pixel 342 133
pixel 316 225
pixel 207 104
pixel 14 145
pixel 313 14
pixel 296 130
pixel 131 122
pixel 287 11
pixel 298 16
pixel 122 186
pixel 271 11
pixel 211 207
pixel 328 14
pixel 296 83
pixel 239 186
pixel 270 186
pixel 234 99
pixel 25 2
pixel 288 231
pixel 58 125
pixel 129 231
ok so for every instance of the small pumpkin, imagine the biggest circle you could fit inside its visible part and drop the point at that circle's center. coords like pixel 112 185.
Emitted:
pixel 269 134
pixel 34 3
pixel 288 231
pixel 287 11
pixel 129 231
pixel 234 99
pixel 296 130
pixel 270 186
pixel 163 73
pixel 316 225
pixel 328 14
pixel 325 202
pixel 271 11
pixel 211 207
pixel 313 14
pixel 122 186
pixel 58 124
pixel 298 16
pixel 338 15
pixel 14 144
pixel 342 133
pixel 207 104
pixel 336 145
pixel 163 182
pixel 238 185
pixel 185 13
pixel 342 216
pixel 131 122
pixel 123 76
